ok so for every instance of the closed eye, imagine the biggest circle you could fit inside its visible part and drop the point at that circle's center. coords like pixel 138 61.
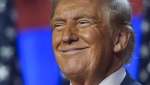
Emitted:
pixel 58 26
pixel 83 23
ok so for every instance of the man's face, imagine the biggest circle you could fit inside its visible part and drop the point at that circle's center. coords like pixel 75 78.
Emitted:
pixel 82 42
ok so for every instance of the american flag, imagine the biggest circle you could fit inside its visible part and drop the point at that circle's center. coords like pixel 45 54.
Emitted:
pixel 9 69
pixel 144 76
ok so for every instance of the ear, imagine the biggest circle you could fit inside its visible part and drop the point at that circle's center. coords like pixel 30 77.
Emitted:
pixel 121 40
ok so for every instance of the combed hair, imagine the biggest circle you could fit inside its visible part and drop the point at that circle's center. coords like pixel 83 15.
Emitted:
pixel 120 13
pixel 54 4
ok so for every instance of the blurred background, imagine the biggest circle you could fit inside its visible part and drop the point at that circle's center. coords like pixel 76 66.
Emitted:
pixel 26 55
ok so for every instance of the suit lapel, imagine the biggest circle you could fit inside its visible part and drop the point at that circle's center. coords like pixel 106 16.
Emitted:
pixel 128 80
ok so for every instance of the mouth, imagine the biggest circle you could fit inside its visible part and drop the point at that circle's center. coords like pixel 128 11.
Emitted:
pixel 74 49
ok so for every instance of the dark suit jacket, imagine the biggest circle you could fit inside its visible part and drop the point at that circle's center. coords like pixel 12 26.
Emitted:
pixel 128 80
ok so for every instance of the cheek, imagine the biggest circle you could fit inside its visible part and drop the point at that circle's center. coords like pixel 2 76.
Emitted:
pixel 56 39
pixel 94 39
pixel 92 36
pixel 99 41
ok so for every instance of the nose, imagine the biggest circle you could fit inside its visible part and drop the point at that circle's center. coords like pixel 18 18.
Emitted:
pixel 69 35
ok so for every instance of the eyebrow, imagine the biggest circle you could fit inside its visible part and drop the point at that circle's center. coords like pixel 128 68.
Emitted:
pixel 55 18
pixel 77 16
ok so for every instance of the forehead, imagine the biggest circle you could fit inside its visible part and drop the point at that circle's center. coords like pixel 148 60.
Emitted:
pixel 75 7
pixel 76 2
pixel 71 4
pixel 89 3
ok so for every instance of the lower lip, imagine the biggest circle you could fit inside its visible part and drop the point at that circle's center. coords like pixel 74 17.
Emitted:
pixel 73 52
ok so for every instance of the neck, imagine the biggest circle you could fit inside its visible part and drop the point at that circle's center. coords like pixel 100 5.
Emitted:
pixel 94 79
pixel 115 65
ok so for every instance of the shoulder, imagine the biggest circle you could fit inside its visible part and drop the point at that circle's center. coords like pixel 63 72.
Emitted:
pixel 128 80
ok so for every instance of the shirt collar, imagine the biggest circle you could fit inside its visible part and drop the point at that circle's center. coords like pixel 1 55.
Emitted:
pixel 114 79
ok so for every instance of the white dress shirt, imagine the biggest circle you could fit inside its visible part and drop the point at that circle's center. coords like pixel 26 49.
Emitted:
pixel 114 79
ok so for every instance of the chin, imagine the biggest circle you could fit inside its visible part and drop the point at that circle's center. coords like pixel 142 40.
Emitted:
pixel 72 69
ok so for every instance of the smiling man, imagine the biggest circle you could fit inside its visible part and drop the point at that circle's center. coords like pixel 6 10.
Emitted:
pixel 93 40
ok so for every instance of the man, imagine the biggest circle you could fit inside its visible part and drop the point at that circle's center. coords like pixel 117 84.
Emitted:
pixel 92 40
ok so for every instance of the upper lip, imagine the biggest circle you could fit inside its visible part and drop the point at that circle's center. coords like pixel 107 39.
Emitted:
pixel 72 49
